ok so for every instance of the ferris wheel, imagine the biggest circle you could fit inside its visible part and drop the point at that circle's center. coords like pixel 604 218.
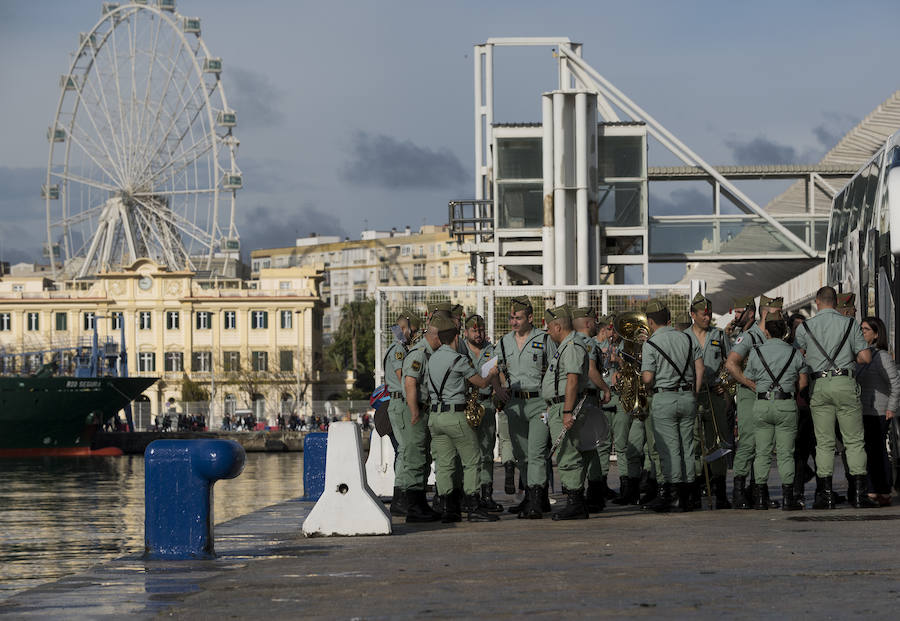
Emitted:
pixel 142 156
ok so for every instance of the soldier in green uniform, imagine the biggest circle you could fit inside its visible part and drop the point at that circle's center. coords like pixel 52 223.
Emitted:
pixel 673 367
pixel 775 372
pixel 584 323
pixel 480 352
pixel 831 344
pixel 524 352
pixel 412 433
pixel 711 404
pixel 447 375
pixel 407 325
pixel 562 388
pixel 747 337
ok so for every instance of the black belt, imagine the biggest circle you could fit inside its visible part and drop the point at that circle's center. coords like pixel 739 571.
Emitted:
pixel 561 399
pixel 522 394
pixel 449 407
pixel 593 392
pixel 398 395
pixel 833 373
pixel 775 395
pixel 682 388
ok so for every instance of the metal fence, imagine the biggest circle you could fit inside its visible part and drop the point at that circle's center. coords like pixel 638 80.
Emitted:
pixel 494 304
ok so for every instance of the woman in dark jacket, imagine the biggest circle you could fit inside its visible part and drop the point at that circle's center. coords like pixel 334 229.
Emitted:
pixel 879 384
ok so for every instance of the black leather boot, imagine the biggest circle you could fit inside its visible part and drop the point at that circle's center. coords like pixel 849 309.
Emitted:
pixel 824 494
pixel 624 491
pixel 662 503
pixel 476 510
pixel 739 494
pixel 761 496
pixel 860 498
pixel 645 480
pixel 652 490
pixel 399 503
pixel 509 482
pixel 788 499
pixel 487 499
pixel 533 510
pixel 595 497
pixel 695 495
pixel 545 498
pixel 522 506
pixel 720 492
pixel 575 508
pixel 452 511
pixel 418 509
pixel 686 496
pixel 608 492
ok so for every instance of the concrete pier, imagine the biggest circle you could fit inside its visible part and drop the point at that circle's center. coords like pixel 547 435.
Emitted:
pixel 622 562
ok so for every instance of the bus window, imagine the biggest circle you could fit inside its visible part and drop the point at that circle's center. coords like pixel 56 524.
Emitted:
pixel 871 193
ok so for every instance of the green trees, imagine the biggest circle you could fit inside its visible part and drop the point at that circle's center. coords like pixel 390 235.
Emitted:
pixel 354 342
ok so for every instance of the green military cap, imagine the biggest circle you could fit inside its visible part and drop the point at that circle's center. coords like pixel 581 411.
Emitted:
pixel 520 302
pixel 557 312
pixel 456 310
pixel 583 311
pixel 743 302
pixel 475 321
pixel 683 318
pixel 441 323
pixel 767 302
pixel 700 302
pixel 846 300
pixel 414 321
pixel 446 307
pixel 656 306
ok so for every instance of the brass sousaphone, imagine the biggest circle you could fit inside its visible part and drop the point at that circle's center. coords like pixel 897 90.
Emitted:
pixel 633 328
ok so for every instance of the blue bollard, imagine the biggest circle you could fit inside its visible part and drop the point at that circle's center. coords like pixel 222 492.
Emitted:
pixel 315 446
pixel 178 493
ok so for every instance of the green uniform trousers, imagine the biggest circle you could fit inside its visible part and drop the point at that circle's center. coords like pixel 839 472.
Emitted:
pixel 530 438
pixel 776 428
pixel 570 462
pixel 628 435
pixel 451 437
pixel 712 409
pixel 673 415
pixel 506 451
pixel 598 461
pixel 746 448
pixel 652 463
pixel 487 436
pixel 412 464
pixel 837 398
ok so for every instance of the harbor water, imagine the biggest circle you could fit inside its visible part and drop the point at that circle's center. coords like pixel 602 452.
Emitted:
pixel 59 516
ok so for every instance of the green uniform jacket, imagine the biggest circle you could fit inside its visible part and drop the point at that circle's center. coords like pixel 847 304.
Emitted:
pixel 828 326
pixel 525 368
pixel 592 347
pixel 448 363
pixel 776 354
pixel 747 339
pixel 679 348
pixel 393 361
pixel 487 352
pixel 570 357
pixel 714 351
pixel 415 364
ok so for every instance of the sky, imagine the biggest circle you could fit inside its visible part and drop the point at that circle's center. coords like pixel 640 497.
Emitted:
pixel 356 115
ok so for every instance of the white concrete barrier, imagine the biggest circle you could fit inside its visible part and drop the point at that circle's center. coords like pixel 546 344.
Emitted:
pixel 380 465
pixel 347 507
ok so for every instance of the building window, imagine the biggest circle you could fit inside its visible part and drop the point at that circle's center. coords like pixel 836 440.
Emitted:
pixel 384 273
pixel 405 251
pixel 284 285
pixel 286 360
pixel 260 360
pixel 173 320
pixel 6 322
pixel 146 362
pixel 259 320
pixel 230 320
pixel 174 361
pixel 201 362
pixel 203 320
pixel 144 320
pixel 419 271
pixel 287 321
pixel 232 361
pixel 33 322
pixel 88 321
pixel 18 288
pixel 117 321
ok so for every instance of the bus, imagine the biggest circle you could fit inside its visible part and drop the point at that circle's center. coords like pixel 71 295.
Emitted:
pixel 863 251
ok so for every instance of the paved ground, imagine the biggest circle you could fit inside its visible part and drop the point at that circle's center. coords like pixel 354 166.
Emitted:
pixel 622 562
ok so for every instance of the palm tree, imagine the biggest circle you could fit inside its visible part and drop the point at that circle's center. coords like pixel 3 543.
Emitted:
pixel 353 319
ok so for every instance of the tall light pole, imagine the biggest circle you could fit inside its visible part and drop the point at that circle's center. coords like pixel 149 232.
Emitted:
pixel 299 314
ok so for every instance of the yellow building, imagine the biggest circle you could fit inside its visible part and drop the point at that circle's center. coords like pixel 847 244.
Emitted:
pixel 352 269
pixel 250 343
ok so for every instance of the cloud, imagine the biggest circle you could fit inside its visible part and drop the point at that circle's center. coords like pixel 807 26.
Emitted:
pixel 21 183
pixel 382 161
pixel 680 202
pixel 22 217
pixel 277 227
pixel 760 151
pixel 254 97
pixel 835 126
